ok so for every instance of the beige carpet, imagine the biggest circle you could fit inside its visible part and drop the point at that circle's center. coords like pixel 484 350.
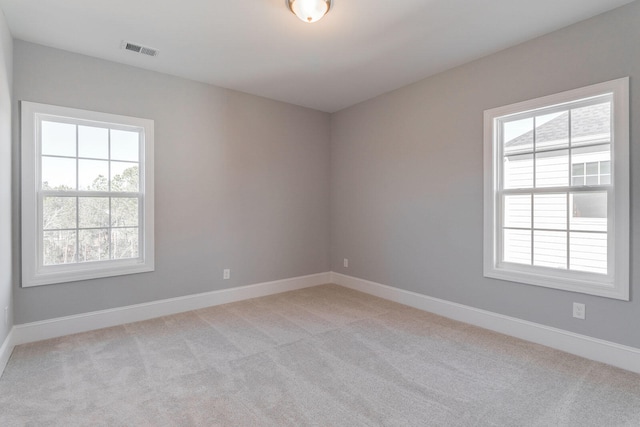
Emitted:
pixel 323 356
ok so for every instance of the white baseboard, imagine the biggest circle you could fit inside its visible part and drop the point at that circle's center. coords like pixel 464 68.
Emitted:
pixel 581 345
pixel 6 349
pixel 624 357
pixel 37 331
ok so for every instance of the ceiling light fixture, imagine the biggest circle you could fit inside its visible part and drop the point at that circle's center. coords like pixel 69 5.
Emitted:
pixel 309 10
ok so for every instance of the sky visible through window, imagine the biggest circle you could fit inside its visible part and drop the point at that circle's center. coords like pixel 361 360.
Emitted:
pixel 520 127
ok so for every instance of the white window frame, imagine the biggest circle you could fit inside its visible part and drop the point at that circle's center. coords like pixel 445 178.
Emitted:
pixel 34 273
pixel 616 283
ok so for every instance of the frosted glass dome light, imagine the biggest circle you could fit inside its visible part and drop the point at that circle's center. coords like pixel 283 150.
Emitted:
pixel 309 10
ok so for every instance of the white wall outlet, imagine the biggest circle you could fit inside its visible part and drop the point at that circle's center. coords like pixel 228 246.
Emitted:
pixel 579 310
pixel 226 274
pixel 345 263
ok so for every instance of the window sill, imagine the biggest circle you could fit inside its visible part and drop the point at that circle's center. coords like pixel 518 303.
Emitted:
pixel 590 287
pixel 88 271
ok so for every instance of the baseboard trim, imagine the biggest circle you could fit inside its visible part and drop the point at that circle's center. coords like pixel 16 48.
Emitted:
pixel 53 328
pixel 614 354
pixel 6 349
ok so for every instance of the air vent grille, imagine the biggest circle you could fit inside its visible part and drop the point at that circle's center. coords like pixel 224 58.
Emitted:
pixel 143 50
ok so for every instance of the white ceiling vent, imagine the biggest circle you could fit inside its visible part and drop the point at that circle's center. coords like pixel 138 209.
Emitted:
pixel 143 50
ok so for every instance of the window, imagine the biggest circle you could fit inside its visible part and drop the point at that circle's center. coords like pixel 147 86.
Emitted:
pixel 557 191
pixel 87 195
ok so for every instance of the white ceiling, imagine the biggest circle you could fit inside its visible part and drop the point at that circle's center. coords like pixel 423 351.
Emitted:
pixel 361 49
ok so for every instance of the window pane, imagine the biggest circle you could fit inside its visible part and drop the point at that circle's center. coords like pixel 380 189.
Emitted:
pixel 518 171
pixel 517 246
pixel 588 211
pixel 94 245
pixel 596 162
pixel 58 247
pixel 58 139
pixel 58 173
pixel 94 212
pixel 124 212
pixel 591 124
pixel 592 168
pixel 124 145
pixel 550 211
pixel 552 130
pixel 517 211
pixel 125 242
pixel 578 181
pixel 592 180
pixel 93 142
pixel 552 169
pixel 93 175
pixel 590 155
pixel 518 136
pixel 58 213
pixel 577 169
pixel 124 176
pixel 589 252
pixel 550 249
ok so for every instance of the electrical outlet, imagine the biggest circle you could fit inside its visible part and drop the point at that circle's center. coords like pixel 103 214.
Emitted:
pixel 345 263
pixel 226 274
pixel 579 310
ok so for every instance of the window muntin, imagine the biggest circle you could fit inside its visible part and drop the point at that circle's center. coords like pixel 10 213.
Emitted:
pixel 87 194
pixel 553 214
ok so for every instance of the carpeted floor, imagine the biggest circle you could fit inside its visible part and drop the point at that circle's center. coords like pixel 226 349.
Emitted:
pixel 323 356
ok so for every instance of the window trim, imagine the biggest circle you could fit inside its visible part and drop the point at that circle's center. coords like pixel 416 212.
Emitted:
pixel 618 285
pixel 33 272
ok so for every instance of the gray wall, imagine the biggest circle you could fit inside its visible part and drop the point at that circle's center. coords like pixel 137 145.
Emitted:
pixel 241 181
pixel 6 54
pixel 407 176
